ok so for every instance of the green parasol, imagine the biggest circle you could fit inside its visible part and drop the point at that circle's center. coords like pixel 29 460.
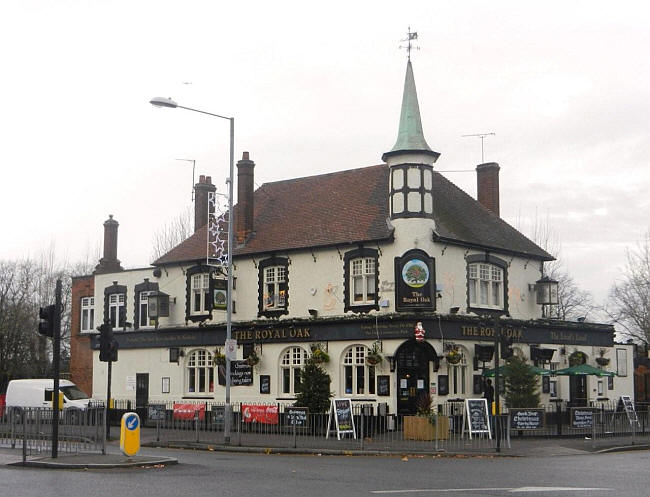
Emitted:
pixel 583 369
pixel 505 371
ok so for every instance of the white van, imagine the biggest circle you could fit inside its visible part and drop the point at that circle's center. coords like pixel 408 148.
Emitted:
pixel 38 393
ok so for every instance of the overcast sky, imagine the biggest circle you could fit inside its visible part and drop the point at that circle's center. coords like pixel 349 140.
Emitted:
pixel 316 88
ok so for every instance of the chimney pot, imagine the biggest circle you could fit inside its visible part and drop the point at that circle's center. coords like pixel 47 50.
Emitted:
pixel 245 156
pixel 245 201
pixel 109 263
pixel 201 191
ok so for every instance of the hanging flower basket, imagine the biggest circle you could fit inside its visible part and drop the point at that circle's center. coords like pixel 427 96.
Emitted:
pixel 219 359
pixel 373 359
pixel 253 359
pixel 602 361
pixel 319 356
pixel 453 356
pixel 577 358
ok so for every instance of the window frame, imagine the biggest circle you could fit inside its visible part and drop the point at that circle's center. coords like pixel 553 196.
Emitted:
pixel 349 258
pixel 264 266
pixel 115 289
pixel 405 190
pixel 357 354
pixel 88 309
pixel 491 262
pixel 145 287
pixel 201 373
pixel 289 372
pixel 202 271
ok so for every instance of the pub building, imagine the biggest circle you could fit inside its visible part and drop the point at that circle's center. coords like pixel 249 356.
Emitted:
pixel 391 271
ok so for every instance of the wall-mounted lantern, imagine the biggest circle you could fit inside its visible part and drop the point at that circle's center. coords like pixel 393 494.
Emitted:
pixel 547 291
pixel 158 305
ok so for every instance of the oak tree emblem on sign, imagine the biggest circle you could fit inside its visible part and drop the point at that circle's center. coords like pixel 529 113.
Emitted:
pixel 415 273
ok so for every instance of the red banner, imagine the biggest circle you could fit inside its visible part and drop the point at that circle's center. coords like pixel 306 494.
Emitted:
pixel 267 415
pixel 187 411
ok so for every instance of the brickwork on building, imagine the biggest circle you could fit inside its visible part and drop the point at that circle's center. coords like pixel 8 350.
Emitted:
pixel 487 186
pixel 81 356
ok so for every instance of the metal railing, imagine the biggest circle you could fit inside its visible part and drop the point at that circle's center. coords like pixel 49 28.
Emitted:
pixel 31 429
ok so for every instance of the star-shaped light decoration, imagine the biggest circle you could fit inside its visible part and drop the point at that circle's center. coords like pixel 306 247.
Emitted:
pixel 218 220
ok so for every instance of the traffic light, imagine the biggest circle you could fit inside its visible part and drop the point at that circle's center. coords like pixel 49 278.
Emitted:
pixel 506 347
pixel 46 324
pixel 107 344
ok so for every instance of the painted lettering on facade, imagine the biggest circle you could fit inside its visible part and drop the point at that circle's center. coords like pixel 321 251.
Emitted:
pixel 273 334
pixel 485 331
pixel 568 337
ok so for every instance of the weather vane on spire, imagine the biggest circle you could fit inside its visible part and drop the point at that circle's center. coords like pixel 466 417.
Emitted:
pixel 409 46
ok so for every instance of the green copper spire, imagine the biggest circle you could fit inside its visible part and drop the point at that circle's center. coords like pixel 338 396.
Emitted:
pixel 410 137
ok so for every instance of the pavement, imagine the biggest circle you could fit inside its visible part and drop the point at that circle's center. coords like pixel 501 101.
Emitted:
pixel 525 447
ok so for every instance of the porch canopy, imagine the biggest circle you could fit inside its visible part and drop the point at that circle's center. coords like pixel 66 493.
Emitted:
pixel 505 371
pixel 583 369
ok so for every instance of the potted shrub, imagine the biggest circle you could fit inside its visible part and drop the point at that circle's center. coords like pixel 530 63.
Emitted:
pixel 427 424
pixel 374 355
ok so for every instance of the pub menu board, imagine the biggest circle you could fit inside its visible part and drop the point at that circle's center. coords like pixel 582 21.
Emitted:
pixel 341 410
pixel 582 417
pixel 629 409
pixel 265 383
pixel 156 412
pixel 476 411
pixel 526 419
pixel 241 374
pixel 383 385
pixel 296 416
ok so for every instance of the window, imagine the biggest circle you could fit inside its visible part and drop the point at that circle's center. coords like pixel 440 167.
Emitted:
pixel 553 388
pixel 273 287
pixel 143 309
pixel 361 280
pixel 290 364
pixel 411 191
pixel 117 309
pixel 457 375
pixel 200 294
pixel 199 372
pixel 358 377
pixel 487 282
pixel 87 313
pixel 621 362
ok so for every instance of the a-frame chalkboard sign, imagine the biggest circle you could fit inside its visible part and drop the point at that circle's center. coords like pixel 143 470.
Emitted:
pixel 341 411
pixel 476 419
pixel 630 410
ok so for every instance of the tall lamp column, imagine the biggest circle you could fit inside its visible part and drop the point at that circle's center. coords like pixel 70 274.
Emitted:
pixel 169 103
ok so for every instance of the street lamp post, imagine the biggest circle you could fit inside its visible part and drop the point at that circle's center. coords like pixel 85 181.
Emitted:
pixel 168 102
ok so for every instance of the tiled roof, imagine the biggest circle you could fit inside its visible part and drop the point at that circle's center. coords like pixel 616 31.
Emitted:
pixel 352 206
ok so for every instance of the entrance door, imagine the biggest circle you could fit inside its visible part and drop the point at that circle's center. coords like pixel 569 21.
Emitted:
pixel 141 390
pixel 412 376
pixel 578 390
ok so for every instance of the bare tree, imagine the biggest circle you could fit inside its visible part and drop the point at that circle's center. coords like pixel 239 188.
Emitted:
pixel 172 234
pixel 629 298
pixel 25 286
pixel 573 303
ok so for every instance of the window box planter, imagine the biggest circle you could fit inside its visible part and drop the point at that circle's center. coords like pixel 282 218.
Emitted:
pixel 420 428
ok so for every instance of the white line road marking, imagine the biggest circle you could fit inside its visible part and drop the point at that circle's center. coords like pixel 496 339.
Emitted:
pixel 492 489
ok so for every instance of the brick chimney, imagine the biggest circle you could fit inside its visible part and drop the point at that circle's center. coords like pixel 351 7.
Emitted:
pixel 109 263
pixel 245 191
pixel 487 186
pixel 201 190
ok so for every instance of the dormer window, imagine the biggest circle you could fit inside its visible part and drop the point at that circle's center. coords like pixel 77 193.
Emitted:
pixel 486 282
pixel 411 190
pixel 273 296
pixel 361 280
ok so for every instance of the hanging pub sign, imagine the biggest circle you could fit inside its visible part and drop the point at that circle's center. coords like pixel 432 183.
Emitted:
pixel 415 278
pixel 220 294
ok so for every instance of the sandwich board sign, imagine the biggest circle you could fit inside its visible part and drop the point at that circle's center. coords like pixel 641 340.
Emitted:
pixel 628 405
pixel 476 417
pixel 341 411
